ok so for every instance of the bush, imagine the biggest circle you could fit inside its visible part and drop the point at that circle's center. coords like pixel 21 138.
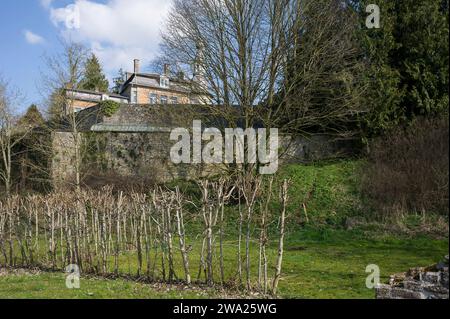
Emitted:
pixel 109 108
pixel 408 169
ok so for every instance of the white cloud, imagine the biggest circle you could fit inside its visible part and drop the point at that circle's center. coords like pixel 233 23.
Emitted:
pixel 118 31
pixel 33 38
pixel 46 3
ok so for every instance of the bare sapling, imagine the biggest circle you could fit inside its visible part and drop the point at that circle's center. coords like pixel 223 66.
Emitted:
pixel 182 234
pixel 284 201
pixel 250 187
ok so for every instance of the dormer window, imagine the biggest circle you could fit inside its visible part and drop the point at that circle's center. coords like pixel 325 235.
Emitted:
pixel 164 82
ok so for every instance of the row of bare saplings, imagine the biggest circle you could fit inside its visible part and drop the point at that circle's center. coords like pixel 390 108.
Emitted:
pixel 106 233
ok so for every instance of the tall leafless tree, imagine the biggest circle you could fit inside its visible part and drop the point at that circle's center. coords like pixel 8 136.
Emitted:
pixel 11 133
pixel 278 60
pixel 65 71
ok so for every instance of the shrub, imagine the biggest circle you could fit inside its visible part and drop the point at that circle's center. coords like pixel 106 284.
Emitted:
pixel 408 169
pixel 109 108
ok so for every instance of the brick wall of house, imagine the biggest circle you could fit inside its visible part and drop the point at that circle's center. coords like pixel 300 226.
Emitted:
pixel 144 95
pixel 83 104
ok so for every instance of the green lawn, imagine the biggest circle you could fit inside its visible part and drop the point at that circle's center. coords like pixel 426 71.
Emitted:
pixel 52 286
pixel 322 259
pixel 313 267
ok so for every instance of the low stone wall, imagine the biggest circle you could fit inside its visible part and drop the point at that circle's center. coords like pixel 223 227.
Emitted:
pixel 418 283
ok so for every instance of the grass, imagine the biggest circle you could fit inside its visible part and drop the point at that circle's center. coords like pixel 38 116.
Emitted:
pixel 329 190
pixel 316 265
pixel 52 286
pixel 322 259
pixel 333 265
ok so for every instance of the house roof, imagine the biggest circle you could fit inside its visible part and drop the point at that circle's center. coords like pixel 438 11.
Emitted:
pixel 129 128
pixel 95 96
pixel 152 80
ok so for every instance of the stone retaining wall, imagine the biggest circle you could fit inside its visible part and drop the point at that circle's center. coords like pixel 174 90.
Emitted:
pixel 147 155
pixel 134 142
pixel 418 283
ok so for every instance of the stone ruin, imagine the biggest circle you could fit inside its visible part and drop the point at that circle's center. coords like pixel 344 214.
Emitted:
pixel 418 283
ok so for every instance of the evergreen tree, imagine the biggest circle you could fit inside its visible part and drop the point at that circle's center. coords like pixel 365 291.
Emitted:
pixel 118 81
pixel 407 62
pixel 423 56
pixel 94 79
pixel 32 118
pixel 56 105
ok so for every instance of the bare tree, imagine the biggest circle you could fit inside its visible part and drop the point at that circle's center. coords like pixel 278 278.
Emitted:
pixel 210 220
pixel 291 64
pixel 229 43
pixel 263 237
pixel 250 186
pixel 182 234
pixel 65 72
pixel 284 200
pixel 11 133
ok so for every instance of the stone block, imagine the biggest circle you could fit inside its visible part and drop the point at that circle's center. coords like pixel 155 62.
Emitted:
pixel 383 292
pixel 415 285
pixel 436 289
pixel 444 278
pixel 432 277
pixel 402 293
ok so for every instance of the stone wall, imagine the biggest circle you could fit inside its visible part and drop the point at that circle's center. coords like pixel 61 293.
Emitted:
pixel 147 155
pixel 144 155
pixel 418 283
pixel 134 142
pixel 63 156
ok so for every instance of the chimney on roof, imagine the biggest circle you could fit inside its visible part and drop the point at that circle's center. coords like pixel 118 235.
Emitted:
pixel 136 66
pixel 166 69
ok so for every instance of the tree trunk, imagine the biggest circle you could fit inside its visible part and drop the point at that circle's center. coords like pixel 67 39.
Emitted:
pixel 284 196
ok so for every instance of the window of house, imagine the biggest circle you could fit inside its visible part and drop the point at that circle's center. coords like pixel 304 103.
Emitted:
pixel 77 109
pixel 164 82
pixel 134 95
pixel 164 99
pixel 153 98
pixel 174 100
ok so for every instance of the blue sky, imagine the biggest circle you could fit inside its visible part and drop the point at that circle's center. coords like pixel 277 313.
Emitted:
pixel 117 31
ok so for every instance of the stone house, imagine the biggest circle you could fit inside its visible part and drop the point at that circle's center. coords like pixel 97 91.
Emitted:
pixel 145 89
pixel 153 89
pixel 81 100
